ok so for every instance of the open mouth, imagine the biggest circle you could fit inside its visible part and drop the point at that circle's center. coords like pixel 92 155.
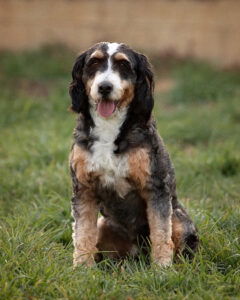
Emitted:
pixel 106 108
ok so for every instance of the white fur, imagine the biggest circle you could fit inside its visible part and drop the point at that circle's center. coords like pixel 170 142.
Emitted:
pixel 112 48
pixel 108 75
pixel 112 168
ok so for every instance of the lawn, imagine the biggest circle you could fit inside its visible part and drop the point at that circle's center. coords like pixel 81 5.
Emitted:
pixel 197 109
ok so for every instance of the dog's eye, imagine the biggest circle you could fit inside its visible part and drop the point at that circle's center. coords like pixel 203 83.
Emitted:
pixel 94 61
pixel 124 63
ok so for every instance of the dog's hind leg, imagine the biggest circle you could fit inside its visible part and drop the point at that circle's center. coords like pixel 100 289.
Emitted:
pixel 184 233
pixel 113 242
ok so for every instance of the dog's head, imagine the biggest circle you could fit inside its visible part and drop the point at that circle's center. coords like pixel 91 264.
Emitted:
pixel 110 77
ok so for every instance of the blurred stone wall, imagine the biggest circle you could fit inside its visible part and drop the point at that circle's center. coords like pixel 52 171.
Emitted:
pixel 207 29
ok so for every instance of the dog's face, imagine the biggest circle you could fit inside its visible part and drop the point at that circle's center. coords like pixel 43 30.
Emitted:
pixel 109 77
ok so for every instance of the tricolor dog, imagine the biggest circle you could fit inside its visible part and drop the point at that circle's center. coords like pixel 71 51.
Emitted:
pixel 119 165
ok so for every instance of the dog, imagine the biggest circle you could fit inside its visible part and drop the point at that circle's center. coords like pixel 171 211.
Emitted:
pixel 119 165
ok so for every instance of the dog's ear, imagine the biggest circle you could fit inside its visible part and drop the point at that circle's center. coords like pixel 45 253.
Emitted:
pixel 77 88
pixel 143 96
pixel 141 107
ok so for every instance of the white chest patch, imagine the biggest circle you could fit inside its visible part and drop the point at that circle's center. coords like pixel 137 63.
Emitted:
pixel 111 168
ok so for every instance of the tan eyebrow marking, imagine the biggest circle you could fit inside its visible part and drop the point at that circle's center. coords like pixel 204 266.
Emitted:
pixel 97 54
pixel 121 56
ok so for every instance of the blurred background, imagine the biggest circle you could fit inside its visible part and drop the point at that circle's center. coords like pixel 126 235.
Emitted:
pixel 194 47
pixel 206 29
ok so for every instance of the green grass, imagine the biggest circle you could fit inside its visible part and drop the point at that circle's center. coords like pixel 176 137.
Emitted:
pixel 199 119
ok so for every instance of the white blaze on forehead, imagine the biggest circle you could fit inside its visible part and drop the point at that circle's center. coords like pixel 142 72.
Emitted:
pixel 112 48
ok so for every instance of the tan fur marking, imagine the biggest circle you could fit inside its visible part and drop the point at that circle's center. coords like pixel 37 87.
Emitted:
pixel 97 54
pixel 160 236
pixel 177 234
pixel 139 167
pixel 78 160
pixel 85 229
pixel 121 56
pixel 88 86
pixel 127 96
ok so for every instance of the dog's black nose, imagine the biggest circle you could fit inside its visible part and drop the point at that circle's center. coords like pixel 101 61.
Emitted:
pixel 105 88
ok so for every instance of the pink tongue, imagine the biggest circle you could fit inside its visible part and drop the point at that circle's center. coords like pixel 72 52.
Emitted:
pixel 106 108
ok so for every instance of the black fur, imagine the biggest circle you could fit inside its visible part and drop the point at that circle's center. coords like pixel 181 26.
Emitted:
pixel 77 87
pixel 78 94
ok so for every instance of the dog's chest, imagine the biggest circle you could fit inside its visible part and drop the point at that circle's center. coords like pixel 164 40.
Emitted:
pixel 111 169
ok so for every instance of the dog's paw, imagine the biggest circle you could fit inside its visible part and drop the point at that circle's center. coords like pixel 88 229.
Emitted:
pixel 163 255
pixel 163 262
pixel 83 259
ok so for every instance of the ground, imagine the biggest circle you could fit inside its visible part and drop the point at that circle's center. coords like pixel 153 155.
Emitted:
pixel 198 115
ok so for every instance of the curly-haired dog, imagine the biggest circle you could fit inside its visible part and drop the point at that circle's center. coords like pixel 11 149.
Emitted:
pixel 119 165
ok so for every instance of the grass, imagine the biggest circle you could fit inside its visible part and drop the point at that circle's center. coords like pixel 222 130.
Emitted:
pixel 199 119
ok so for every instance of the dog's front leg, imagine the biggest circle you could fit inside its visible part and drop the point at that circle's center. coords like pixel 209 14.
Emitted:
pixel 85 211
pixel 159 213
